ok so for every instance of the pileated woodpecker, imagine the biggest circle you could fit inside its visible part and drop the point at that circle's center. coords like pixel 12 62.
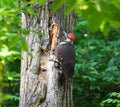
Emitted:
pixel 65 54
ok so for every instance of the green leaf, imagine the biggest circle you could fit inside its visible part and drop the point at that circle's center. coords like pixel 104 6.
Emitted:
pixel 105 28
pixel 70 4
pixel 42 2
pixel 29 10
pixel 57 4
pixel 94 18
pixel 106 10
pixel 6 53
pixel 13 41
pixel 116 3
pixel 94 21
pixel 14 98
pixel 25 31
pixel 23 43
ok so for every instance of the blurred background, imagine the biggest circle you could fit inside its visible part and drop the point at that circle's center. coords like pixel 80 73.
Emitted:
pixel 96 80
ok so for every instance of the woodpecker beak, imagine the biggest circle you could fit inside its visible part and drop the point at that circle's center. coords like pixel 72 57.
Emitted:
pixel 66 36
pixel 65 33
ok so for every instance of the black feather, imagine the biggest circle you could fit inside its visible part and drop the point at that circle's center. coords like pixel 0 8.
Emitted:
pixel 66 56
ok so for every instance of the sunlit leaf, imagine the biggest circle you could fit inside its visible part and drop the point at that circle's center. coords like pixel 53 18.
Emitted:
pixel 13 41
pixel 57 4
pixel 42 2
pixel 23 43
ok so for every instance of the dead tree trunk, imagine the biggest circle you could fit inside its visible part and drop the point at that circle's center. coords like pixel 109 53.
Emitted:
pixel 41 84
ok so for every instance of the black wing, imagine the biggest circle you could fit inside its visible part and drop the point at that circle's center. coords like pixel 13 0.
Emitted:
pixel 66 57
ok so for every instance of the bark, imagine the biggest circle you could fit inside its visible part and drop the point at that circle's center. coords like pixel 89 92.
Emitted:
pixel 42 84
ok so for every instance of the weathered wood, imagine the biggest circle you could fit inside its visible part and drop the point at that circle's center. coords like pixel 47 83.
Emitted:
pixel 42 84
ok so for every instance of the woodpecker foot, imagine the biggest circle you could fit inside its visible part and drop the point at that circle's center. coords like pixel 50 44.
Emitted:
pixel 57 64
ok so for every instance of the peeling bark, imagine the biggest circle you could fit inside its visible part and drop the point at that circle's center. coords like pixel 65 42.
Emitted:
pixel 42 85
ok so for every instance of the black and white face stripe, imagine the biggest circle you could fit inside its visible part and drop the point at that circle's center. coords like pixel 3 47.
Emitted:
pixel 68 37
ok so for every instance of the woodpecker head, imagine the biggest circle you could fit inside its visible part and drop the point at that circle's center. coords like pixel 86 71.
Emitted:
pixel 69 37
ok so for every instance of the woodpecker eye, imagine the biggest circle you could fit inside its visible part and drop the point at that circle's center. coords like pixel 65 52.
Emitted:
pixel 68 37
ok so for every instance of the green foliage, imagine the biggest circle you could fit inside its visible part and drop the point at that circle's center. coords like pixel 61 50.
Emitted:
pixel 41 2
pixel 11 44
pixel 97 70
pixel 11 83
pixel 114 99
pixel 100 14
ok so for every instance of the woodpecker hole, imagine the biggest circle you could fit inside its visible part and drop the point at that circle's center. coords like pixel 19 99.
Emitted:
pixel 53 36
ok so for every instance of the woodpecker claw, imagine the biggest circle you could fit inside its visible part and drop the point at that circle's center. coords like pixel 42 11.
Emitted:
pixel 57 64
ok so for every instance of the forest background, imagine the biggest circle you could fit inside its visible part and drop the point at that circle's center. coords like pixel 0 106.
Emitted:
pixel 96 80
